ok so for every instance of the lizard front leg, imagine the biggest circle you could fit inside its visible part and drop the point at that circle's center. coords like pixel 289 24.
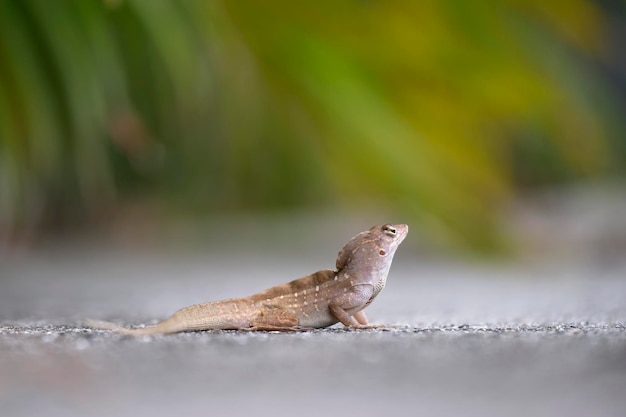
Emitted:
pixel 361 318
pixel 358 297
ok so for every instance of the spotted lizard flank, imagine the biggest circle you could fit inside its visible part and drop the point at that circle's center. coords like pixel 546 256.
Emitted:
pixel 318 300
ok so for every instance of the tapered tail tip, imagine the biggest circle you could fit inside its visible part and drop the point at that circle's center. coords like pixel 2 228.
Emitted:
pixel 102 325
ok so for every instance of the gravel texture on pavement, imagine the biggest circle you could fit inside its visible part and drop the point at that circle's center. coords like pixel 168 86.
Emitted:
pixel 470 340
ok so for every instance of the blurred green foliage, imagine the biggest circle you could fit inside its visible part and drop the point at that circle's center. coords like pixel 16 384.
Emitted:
pixel 441 110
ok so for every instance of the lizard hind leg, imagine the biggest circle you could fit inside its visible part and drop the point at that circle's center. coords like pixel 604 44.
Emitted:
pixel 275 320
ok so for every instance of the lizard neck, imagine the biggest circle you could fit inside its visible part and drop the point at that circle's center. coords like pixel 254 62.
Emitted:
pixel 374 274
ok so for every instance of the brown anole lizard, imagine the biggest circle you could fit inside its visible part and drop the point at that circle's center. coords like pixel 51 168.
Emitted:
pixel 314 301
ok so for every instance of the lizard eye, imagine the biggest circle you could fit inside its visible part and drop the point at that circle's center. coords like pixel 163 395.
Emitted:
pixel 389 229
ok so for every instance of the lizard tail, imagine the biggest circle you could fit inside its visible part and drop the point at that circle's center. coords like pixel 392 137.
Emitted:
pixel 228 314
pixel 159 328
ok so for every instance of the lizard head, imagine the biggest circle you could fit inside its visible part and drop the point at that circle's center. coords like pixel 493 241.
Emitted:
pixel 373 248
pixel 386 239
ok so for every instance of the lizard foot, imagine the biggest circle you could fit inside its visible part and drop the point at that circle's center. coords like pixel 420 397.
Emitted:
pixel 370 326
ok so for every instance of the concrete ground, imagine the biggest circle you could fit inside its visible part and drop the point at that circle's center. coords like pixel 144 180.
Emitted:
pixel 473 339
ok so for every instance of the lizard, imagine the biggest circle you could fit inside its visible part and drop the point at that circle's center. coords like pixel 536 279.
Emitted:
pixel 317 300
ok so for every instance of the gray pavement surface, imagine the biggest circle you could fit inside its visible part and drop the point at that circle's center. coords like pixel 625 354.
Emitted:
pixel 473 339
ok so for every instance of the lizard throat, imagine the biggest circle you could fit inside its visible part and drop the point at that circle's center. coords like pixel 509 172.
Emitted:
pixel 380 284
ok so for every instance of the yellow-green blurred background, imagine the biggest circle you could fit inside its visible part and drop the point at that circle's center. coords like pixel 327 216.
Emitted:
pixel 439 112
